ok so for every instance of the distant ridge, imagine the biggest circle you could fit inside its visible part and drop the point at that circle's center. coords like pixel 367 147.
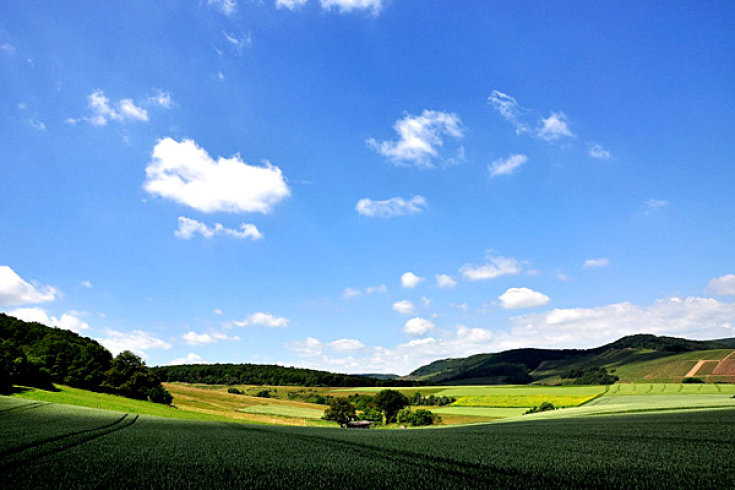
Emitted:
pixel 665 358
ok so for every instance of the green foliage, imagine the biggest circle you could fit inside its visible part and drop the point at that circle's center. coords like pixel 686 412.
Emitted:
pixel 130 377
pixel 596 375
pixel 390 402
pixel 420 417
pixel 234 391
pixel 372 414
pixel 309 396
pixel 263 394
pixel 362 402
pixel 544 407
pixel 262 374
pixel 692 380
pixel 340 410
pixel 431 400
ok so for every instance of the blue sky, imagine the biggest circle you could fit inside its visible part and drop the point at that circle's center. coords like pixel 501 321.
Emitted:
pixel 366 185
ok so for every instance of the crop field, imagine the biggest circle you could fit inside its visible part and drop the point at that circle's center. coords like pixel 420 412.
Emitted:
pixel 113 450
pixel 285 411
pixel 670 389
pixel 486 412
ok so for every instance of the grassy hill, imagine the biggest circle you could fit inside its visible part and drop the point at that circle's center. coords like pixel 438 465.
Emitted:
pixel 636 358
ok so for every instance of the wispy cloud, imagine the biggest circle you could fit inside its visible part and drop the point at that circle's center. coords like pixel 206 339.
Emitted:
pixel 596 150
pixel 596 263
pixel 495 266
pixel 509 109
pixel 189 227
pixel 655 205
pixel 506 166
pixel 227 7
pixel 555 127
pixel 395 206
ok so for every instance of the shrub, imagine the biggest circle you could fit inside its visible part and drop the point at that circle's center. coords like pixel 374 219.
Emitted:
pixel 692 380
pixel 234 391
pixel 263 394
pixel 418 418
pixel 544 407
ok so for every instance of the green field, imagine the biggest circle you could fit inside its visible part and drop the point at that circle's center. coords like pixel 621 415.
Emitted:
pixel 48 445
pixel 285 411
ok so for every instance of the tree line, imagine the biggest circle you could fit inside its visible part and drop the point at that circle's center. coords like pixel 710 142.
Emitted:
pixel 32 354
pixel 267 374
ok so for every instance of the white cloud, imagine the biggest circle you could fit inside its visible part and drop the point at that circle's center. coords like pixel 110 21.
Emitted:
pixel 404 307
pixel 474 335
pixel 15 291
pixel 238 43
pixel 162 99
pixel 723 285
pixel 136 341
pixel 395 206
pixel 68 321
pixel 410 280
pixel 227 7
pixel 345 6
pixel 310 347
pixel 7 48
pixel 554 127
pixel 185 173
pixel 596 150
pixel 217 311
pixel 353 292
pixel 290 4
pixel 129 110
pixel 189 227
pixel 86 284
pixel 420 138
pixel 602 262
pixel 509 109
pixel 347 345
pixel 417 326
pixel 496 266
pixel 376 289
pixel 263 319
pixel 191 358
pixel 506 166
pixel 193 338
pixel 36 124
pixel 654 205
pixel 515 298
pixel 445 281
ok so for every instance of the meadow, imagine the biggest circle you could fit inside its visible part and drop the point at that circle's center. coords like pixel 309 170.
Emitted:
pixel 50 445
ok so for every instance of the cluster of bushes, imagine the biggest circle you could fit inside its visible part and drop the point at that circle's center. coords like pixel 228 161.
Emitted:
pixel 309 396
pixel 418 417
pixel 32 354
pixel 596 375
pixel 692 380
pixel 388 406
pixel 431 400
pixel 544 407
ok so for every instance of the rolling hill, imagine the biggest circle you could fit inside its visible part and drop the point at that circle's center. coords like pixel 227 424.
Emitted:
pixel 633 358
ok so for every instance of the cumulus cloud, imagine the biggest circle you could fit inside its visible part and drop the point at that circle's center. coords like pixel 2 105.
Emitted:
pixel 410 280
pixel 508 109
pixel 263 319
pixel 495 266
pixel 395 206
pixel 655 205
pixel 137 341
pixel 420 138
pixel 193 338
pixel 15 291
pixel 506 166
pixel 290 4
pixel 129 110
pixel 68 321
pixel 345 6
pixel 310 347
pixel 445 281
pixel 554 127
pixel 515 298
pixel 602 262
pixel 185 173
pixel 191 358
pixel 723 285
pixel 596 150
pixel 404 307
pixel 346 345
pixel 417 326
pixel 227 7
pixel 189 227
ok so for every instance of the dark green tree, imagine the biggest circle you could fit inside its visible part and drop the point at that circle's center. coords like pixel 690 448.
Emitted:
pixel 340 410
pixel 390 402
pixel 12 365
pixel 129 376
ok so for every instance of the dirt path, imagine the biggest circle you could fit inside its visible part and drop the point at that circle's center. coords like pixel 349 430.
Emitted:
pixel 694 370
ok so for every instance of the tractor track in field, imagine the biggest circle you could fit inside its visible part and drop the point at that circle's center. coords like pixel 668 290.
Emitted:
pixel 21 408
pixel 40 449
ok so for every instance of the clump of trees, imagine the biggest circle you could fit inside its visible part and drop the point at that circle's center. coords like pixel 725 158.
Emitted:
pixel 32 354
pixel 418 417
pixel 390 402
pixel 309 396
pixel 340 410
pixel 544 407
pixel 234 391
pixel 596 375
pixel 383 407
pixel 431 400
